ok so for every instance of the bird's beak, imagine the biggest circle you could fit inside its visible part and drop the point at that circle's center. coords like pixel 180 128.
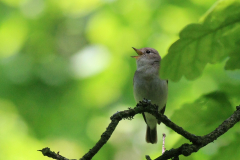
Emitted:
pixel 139 52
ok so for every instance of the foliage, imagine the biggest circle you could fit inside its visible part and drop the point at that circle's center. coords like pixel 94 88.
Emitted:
pixel 210 42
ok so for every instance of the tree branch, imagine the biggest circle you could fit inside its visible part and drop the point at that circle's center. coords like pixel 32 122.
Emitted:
pixel 188 149
pixel 47 152
pixel 145 106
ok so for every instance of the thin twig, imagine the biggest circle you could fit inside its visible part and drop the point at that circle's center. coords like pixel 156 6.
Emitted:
pixel 47 152
pixel 163 143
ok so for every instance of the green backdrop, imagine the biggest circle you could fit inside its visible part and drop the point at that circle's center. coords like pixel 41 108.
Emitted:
pixel 65 68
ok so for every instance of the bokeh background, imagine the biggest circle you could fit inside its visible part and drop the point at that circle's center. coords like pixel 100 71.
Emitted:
pixel 65 68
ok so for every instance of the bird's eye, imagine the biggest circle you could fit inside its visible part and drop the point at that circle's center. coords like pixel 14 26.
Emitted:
pixel 148 51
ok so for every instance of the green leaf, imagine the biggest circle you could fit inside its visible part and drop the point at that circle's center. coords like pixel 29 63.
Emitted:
pixel 202 116
pixel 199 44
pixel 207 112
pixel 230 151
pixel 234 59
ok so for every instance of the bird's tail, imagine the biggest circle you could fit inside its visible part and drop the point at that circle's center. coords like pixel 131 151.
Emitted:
pixel 151 135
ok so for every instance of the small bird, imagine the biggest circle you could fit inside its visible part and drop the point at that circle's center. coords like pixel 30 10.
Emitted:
pixel 147 84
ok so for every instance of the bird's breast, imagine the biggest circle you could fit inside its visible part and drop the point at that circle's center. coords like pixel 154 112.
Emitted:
pixel 151 88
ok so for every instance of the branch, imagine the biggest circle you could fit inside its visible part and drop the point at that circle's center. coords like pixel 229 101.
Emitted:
pixel 163 143
pixel 188 149
pixel 145 106
pixel 47 152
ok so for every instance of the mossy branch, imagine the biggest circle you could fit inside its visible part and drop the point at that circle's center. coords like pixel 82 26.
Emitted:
pixel 186 149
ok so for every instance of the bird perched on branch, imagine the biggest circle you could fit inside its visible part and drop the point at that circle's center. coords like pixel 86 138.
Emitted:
pixel 147 84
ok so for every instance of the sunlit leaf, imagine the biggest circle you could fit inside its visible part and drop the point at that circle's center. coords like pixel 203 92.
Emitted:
pixel 204 43
pixel 233 61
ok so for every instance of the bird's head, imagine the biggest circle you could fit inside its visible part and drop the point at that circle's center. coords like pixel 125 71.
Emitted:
pixel 147 57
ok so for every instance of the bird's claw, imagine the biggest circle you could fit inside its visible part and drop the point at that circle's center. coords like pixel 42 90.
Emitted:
pixel 146 100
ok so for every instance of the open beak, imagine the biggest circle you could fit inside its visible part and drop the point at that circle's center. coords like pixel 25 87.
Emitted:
pixel 139 52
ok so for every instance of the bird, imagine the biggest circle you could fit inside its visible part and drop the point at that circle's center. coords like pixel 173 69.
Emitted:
pixel 147 84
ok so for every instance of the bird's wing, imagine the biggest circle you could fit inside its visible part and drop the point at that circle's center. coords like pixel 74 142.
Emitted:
pixel 144 117
pixel 163 110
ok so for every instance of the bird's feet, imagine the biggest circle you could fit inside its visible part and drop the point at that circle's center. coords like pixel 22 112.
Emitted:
pixel 146 100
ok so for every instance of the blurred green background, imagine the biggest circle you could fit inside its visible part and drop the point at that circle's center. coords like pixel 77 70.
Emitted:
pixel 65 68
